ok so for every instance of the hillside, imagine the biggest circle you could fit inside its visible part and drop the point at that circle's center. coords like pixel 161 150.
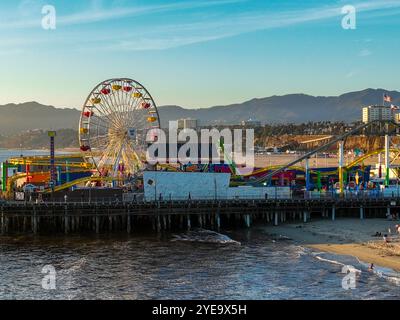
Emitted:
pixel 38 139
pixel 296 108
pixel 293 108
pixel 15 118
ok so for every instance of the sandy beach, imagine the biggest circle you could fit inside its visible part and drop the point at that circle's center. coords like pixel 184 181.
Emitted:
pixel 348 237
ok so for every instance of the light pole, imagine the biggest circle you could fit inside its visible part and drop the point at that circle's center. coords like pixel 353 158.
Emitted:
pixel 52 135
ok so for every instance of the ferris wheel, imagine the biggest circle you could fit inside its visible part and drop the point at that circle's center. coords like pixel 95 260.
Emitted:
pixel 115 126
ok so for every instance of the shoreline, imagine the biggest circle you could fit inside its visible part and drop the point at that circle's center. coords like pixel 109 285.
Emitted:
pixel 351 237
pixel 363 253
pixel 60 150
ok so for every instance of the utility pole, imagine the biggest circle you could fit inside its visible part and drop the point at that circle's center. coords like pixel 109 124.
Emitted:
pixel 387 159
pixel 307 175
pixel 341 163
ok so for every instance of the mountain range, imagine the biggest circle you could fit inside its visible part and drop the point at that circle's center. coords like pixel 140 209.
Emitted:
pixel 293 108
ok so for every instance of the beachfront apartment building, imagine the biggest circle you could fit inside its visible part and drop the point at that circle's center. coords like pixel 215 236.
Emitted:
pixel 377 113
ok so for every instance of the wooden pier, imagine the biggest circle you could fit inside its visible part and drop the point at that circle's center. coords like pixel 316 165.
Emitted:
pixel 67 218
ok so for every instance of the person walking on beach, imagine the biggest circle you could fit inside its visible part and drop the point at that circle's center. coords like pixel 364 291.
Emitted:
pixel 386 238
pixel 371 267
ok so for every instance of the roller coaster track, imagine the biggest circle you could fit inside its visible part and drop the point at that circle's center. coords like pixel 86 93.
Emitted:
pixel 315 170
pixel 11 180
pixel 60 161
pixel 368 155
pixel 319 149
pixel 81 165
pixel 169 167
pixel 81 181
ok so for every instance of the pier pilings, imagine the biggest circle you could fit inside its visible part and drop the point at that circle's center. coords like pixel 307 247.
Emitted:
pixel 160 216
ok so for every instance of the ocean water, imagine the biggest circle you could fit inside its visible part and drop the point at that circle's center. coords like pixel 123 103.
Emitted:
pixel 154 267
pixel 6 153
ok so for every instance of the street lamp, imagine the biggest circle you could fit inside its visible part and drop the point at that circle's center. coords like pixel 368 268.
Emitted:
pixel 52 135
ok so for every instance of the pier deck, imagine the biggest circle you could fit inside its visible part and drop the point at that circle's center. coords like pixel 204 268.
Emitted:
pixel 100 217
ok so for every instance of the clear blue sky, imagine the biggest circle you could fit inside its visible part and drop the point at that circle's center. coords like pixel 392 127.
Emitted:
pixel 197 53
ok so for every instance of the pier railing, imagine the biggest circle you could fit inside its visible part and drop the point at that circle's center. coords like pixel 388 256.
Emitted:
pixel 138 198
pixel 304 195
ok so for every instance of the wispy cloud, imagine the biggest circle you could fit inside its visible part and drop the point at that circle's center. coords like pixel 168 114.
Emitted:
pixel 351 74
pixel 104 14
pixel 175 35
pixel 169 35
pixel 97 12
pixel 365 53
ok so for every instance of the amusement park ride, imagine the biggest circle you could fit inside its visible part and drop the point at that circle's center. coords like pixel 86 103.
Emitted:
pixel 113 130
pixel 116 126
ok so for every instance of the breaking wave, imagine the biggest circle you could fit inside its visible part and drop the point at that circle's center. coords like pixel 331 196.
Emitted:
pixel 205 236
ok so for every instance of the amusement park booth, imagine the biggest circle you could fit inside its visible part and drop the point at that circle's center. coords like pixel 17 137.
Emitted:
pixel 160 185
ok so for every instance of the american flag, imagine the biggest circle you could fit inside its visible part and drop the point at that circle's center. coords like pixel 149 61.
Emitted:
pixel 387 98
pixel 393 107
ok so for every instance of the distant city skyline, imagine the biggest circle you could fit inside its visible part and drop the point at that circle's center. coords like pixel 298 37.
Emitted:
pixel 197 53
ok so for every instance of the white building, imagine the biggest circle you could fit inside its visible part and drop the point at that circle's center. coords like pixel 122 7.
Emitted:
pixel 187 124
pixel 374 113
pixel 161 185
pixel 251 123
pixel 185 185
